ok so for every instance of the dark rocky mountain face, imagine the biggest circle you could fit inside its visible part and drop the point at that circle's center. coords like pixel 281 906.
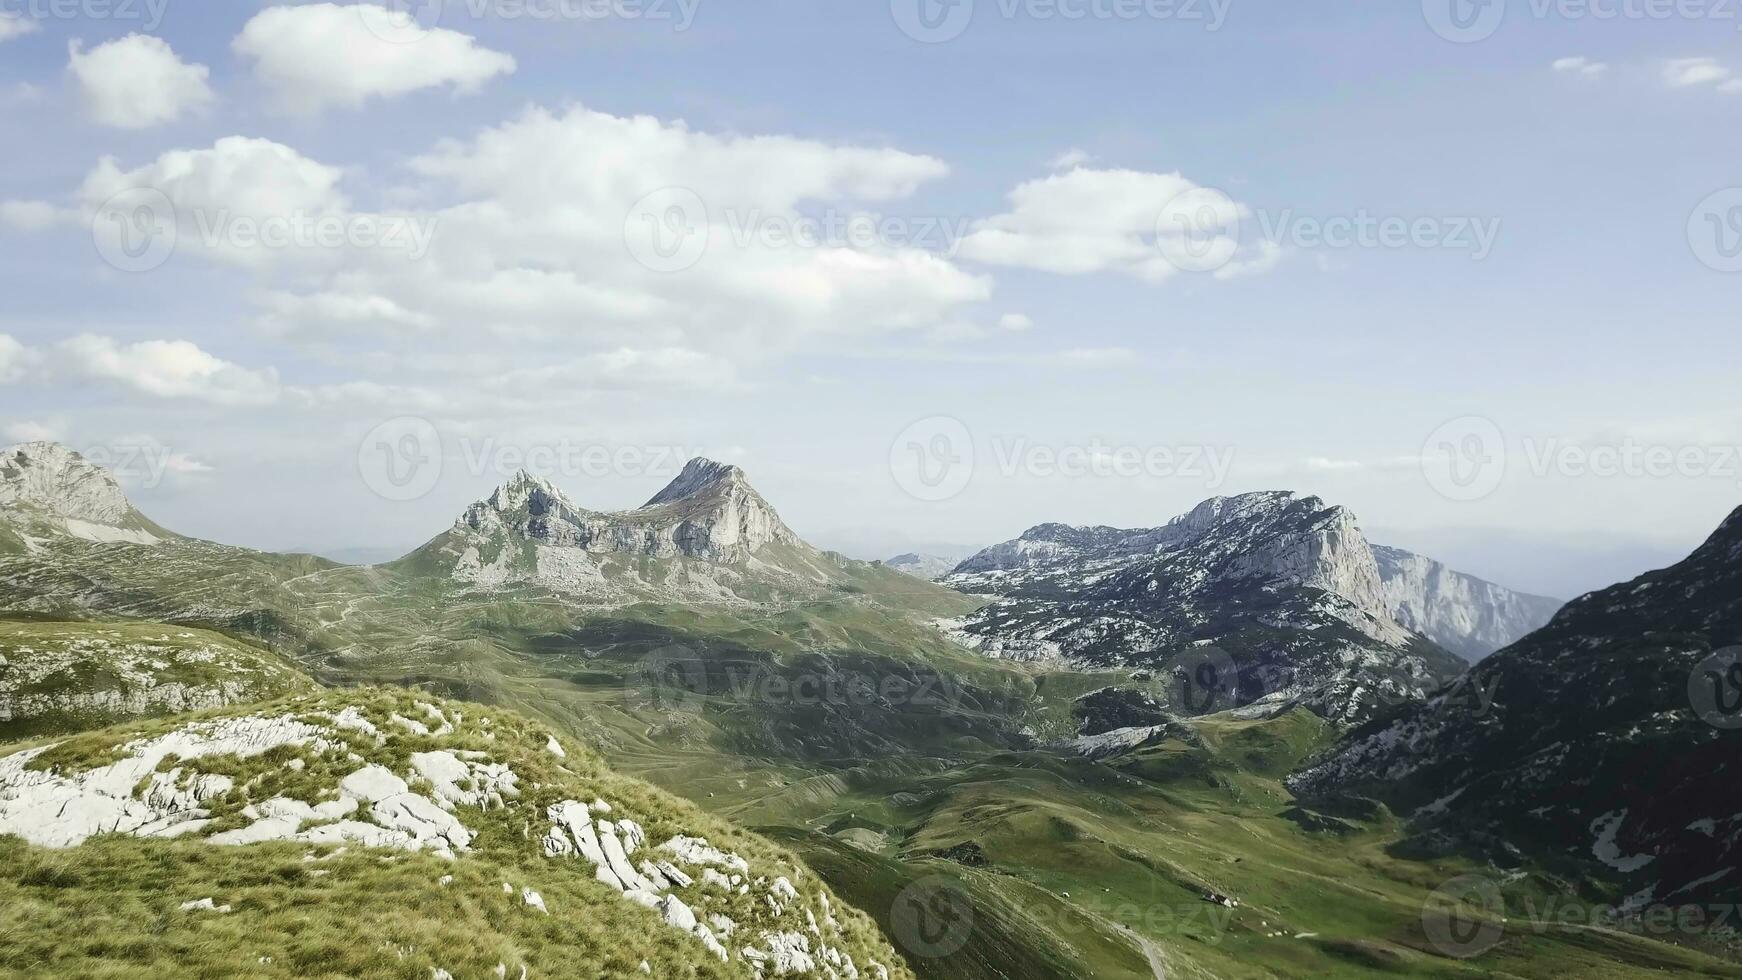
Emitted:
pixel 1611 737
pixel 1278 596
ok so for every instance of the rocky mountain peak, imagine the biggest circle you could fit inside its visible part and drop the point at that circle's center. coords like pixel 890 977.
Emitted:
pixel 526 490
pixel 1727 539
pixel 1280 536
pixel 50 477
pixel 701 477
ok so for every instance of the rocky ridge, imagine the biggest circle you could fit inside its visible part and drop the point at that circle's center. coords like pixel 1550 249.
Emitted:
pixel 1607 737
pixel 1283 590
pixel 47 489
pixel 71 676
pixel 1466 615
pixel 709 535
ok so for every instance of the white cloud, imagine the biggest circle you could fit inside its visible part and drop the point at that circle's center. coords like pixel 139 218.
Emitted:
pixel 663 368
pixel 337 313
pixel 218 190
pixel 32 215
pixel 1087 221
pixel 531 267
pixel 167 369
pixel 1269 254
pixel 16 360
pixel 30 430
pixel 1580 65
pixel 136 82
pixel 23 93
pixel 1070 159
pixel 15 25
pixel 316 56
pixel 1688 72
pixel 540 247
pixel 528 224
pixel 1731 87
pixel 1015 322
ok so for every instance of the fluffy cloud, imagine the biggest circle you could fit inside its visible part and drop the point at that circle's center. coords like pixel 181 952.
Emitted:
pixel 136 82
pixel 15 25
pixel 16 360
pixel 1087 220
pixel 542 240
pixel 1689 72
pixel 238 174
pixel 533 283
pixel 1016 322
pixel 316 56
pixel 221 198
pixel 167 369
pixel 1580 65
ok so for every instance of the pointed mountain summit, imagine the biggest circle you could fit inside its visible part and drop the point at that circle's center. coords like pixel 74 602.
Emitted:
pixel 49 491
pixel 706 533
pixel 723 517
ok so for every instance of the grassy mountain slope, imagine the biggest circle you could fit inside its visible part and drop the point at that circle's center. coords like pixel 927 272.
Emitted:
pixel 71 676
pixel 322 904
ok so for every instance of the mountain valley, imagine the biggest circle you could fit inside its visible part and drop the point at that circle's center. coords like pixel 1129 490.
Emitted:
pixel 1081 742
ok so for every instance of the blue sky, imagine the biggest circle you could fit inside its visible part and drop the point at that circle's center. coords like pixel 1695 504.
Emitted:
pixel 248 383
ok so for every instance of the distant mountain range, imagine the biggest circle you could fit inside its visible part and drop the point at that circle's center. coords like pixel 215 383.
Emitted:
pixel 924 566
